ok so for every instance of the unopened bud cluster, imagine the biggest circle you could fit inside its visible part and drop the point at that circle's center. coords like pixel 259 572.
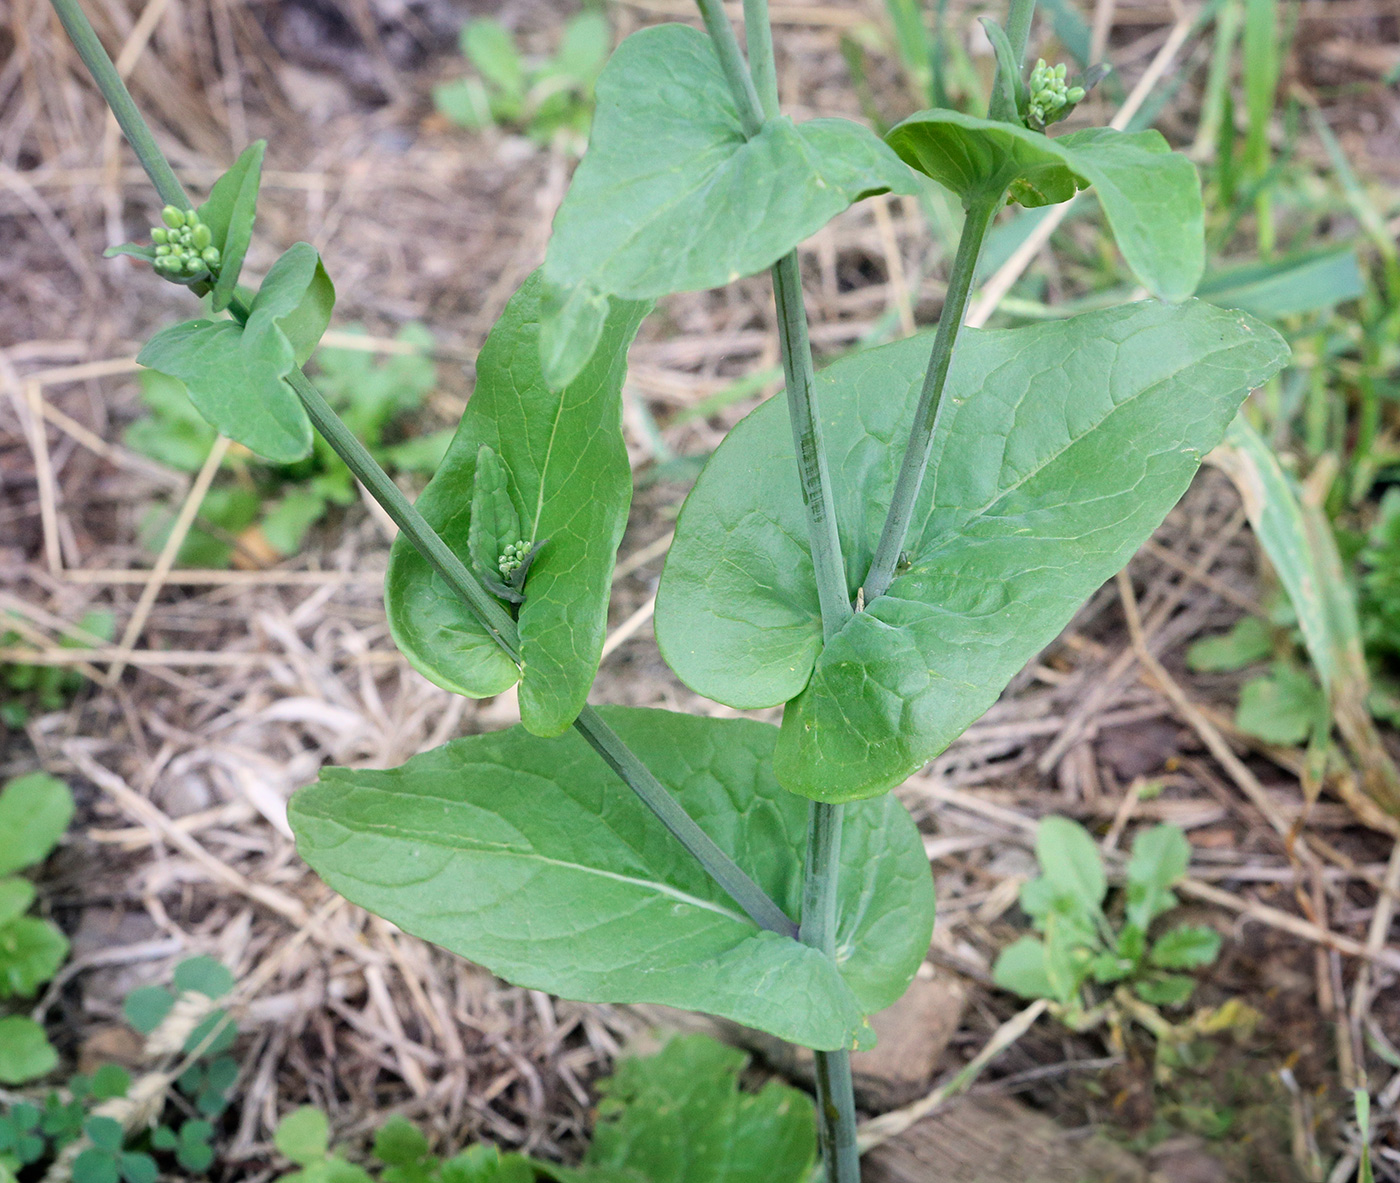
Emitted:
pixel 184 245
pixel 1049 94
pixel 512 556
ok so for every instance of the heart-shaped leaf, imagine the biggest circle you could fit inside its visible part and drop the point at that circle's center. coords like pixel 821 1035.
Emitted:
pixel 570 482
pixel 1150 195
pixel 1062 446
pixel 236 375
pixel 229 214
pixel 532 858
pixel 672 196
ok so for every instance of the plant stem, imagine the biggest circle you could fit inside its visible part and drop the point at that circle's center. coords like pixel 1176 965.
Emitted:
pixel 731 60
pixel 745 892
pixel 109 82
pixel 822 534
pixel 487 609
pixel 836 1129
pixel 836 1112
pixel 602 738
pixel 723 869
pixel 926 414
pixel 1018 27
pixel 762 65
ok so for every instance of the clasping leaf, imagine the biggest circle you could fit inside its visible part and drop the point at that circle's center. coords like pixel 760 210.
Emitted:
pixel 531 858
pixel 671 196
pixel 527 465
pixel 1150 195
pixel 236 374
pixel 1062 447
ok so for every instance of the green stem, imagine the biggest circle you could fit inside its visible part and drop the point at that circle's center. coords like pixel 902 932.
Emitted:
pixel 926 415
pixel 836 1111
pixel 835 1096
pixel 745 892
pixel 762 65
pixel 731 60
pixel 109 82
pixel 487 609
pixel 723 869
pixel 812 469
pixel 1018 27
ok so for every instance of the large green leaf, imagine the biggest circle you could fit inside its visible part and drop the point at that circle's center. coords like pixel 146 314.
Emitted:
pixel 672 197
pixel 236 375
pixel 229 214
pixel 1061 447
pixel 531 858
pixel 568 474
pixel 1150 195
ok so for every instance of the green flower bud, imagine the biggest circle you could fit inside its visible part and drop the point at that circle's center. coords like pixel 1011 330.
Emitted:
pixel 211 256
pixel 172 217
pixel 159 234
pixel 162 251
pixel 191 217
pixel 194 265
pixel 1075 94
pixel 203 236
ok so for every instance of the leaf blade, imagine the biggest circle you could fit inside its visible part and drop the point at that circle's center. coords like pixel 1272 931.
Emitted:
pixel 568 884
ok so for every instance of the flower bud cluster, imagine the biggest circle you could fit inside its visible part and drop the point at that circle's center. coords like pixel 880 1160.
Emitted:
pixel 1049 96
pixel 184 245
pixel 512 556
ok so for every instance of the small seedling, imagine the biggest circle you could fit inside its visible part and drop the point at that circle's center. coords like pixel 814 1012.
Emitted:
pixel 678 1115
pixel 34 812
pixel 549 100
pixel 26 688
pixel 1082 948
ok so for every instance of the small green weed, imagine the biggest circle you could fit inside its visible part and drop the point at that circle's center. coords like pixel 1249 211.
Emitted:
pixel 107 1128
pixel 678 1115
pixel 34 812
pixel 25 689
pixel 1082 949
pixel 550 100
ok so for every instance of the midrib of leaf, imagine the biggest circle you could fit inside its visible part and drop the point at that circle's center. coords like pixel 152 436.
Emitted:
pixel 500 850
pixel 928 550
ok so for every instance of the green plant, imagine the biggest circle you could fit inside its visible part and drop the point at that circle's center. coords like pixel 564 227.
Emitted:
pixel 25 688
pixel 678 1116
pixel 814 564
pixel 34 811
pixel 103 1127
pixel 549 100
pixel 1083 945
pixel 264 506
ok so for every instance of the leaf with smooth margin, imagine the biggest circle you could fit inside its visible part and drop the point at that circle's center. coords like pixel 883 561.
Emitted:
pixel 672 197
pixel 236 375
pixel 1150 195
pixel 35 809
pixel 531 858
pixel 495 523
pixel 1160 857
pixel 25 1051
pixel 572 484
pixel 229 213
pixel 1070 862
pixel 1061 448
